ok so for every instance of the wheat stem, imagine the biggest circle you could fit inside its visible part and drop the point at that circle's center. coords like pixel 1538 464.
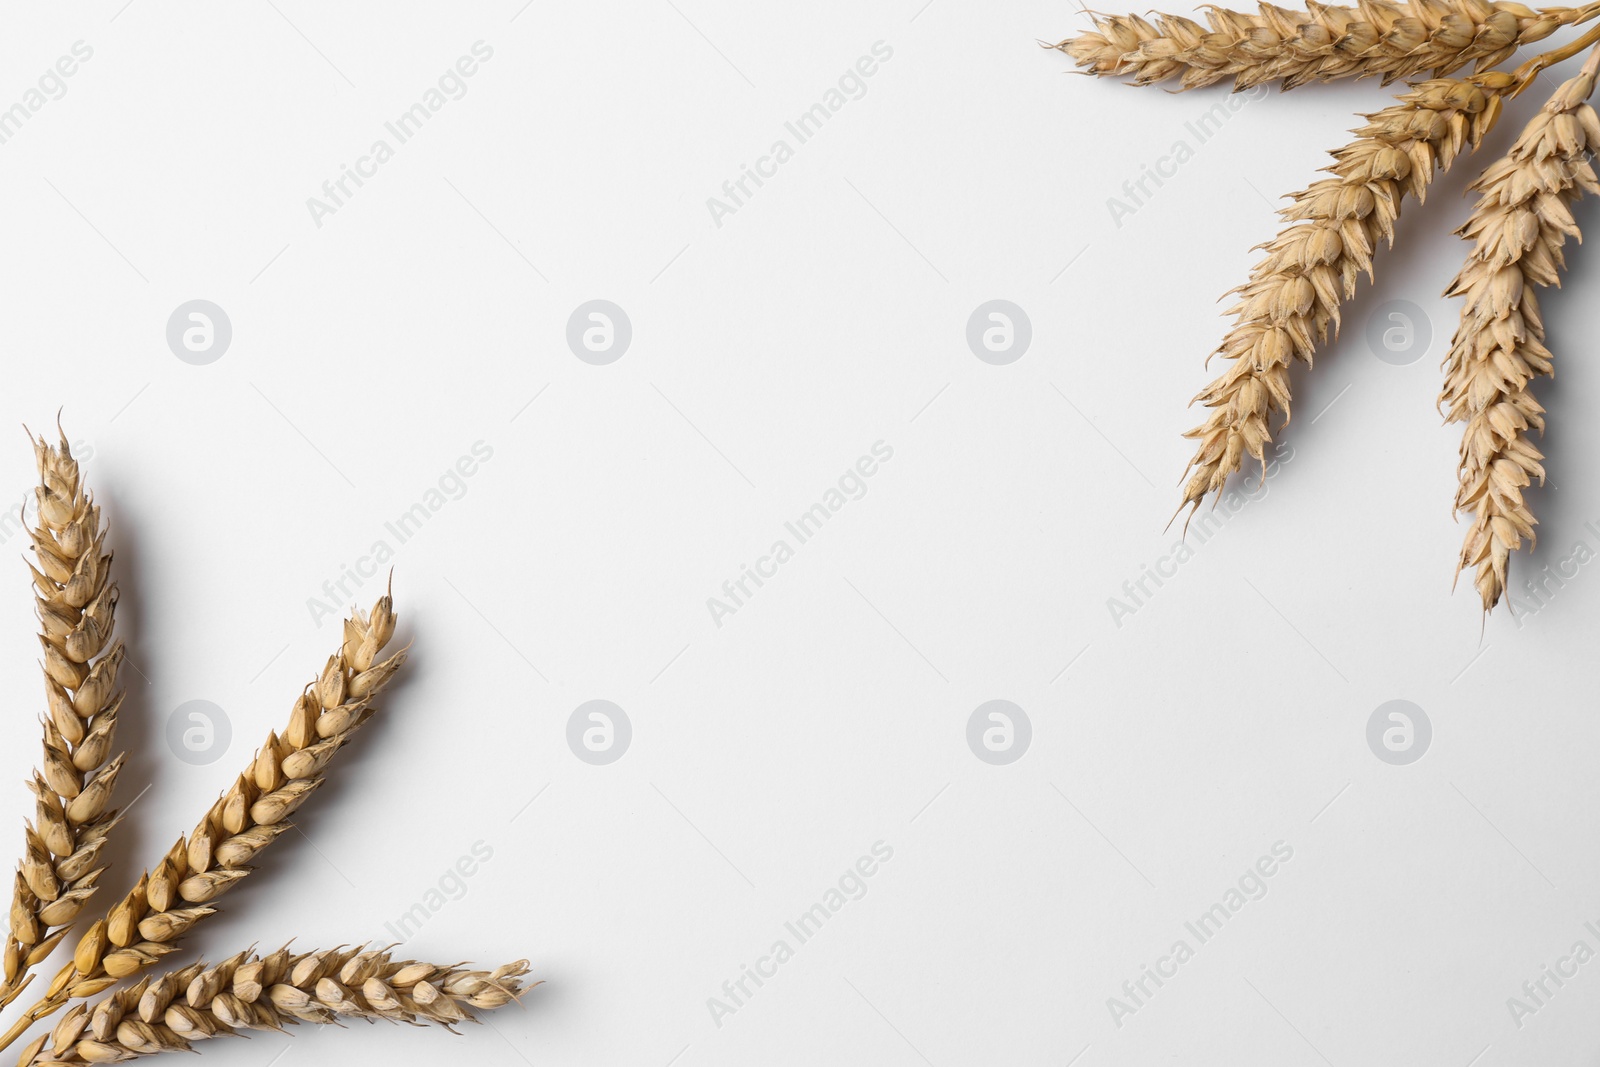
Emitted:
pixel 1527 72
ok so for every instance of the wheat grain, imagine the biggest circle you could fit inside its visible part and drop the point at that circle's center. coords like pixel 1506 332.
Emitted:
pixel 1375 39
pixel 1293 297
pixel 171 1012
pixel 1518 226
pixel 76 602
pixel 148 923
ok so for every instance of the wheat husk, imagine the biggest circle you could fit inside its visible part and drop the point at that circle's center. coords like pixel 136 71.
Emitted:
pixel 1518 226
pixel 1292 301
pixel 181 890
pixel 76 602
pixel 1375 39
pixel 174 1011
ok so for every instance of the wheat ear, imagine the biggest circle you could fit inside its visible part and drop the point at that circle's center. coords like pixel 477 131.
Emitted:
pixel 167 901
pixel 1293 297
pixel 1376 39
pixel 248 992
pixel 76 603
pixel 1518 227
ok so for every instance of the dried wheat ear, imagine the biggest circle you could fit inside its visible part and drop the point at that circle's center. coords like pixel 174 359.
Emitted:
pixel 1292 301
pixel 1518 226
pixel 1375 39
pixel 171 1012
pixel 76 603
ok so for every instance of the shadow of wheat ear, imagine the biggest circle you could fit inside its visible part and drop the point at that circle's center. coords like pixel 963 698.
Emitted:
pixel 59 869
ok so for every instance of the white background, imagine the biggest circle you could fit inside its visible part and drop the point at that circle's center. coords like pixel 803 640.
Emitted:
pixel 828 313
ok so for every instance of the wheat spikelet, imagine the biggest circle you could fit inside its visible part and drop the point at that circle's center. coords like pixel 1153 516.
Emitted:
pixel 1518 226
pixel 1377 39
pixel 148 923
pixel 76 603
pixel 171 1012
pixel 1293 297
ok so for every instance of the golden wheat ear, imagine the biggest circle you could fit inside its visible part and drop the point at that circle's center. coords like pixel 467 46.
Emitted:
pixel 1518 226
pixel 76 602
pixel 1390 41
pixel 172 1012
pixel 178 893
pixel 1292 301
